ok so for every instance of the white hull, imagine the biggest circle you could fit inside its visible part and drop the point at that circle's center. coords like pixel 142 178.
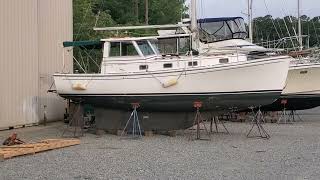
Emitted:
pixel 258 77
pixel 302 90
pixel 303 79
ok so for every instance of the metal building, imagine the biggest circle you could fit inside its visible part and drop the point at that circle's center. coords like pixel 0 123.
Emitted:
pixel 31 36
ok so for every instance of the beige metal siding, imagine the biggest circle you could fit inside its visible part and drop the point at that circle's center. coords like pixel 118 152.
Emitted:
pixel 55 26
pixel 27 55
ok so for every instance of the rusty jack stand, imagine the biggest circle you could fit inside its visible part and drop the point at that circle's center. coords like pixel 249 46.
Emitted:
pixel 136 129
pixel 284 116
pixel 199 120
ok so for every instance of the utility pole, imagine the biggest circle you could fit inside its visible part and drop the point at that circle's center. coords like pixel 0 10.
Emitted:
pixel 299 26
pixel 147 12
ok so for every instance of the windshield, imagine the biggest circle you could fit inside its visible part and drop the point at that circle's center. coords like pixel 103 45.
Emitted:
pixel 212 30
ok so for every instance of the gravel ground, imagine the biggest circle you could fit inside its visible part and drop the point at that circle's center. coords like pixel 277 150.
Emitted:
pixel 293 152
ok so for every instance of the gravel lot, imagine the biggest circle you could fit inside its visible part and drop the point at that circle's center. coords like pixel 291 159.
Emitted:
pixel 293 152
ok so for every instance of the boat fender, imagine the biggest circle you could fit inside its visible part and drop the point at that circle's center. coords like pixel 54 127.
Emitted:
pixel 170 83
pixel 79 86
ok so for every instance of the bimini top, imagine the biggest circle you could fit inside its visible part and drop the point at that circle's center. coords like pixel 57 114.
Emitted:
pixel 220 29
pixel 90 44
pixel 207 20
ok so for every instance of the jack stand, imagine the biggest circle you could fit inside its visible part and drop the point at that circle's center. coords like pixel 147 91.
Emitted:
pixel 216 121
pixel 293 115
pixel 284 116
pixel 199 120
pixel 136 129
pixel 76 122
pixel 257 120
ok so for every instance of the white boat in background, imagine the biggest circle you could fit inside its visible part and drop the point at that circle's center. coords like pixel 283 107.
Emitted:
pixel 228 34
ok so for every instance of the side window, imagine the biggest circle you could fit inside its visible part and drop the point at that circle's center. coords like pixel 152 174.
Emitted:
pixel 114 49
pixel 127 49
pixel 122 49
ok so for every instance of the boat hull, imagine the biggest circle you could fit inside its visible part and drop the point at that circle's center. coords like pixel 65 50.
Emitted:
pixel 302 90
pixel 216 102
pixel 220 88
pixel 294 102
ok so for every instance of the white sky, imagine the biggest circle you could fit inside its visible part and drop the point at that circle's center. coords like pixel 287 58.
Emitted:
pixel 277 8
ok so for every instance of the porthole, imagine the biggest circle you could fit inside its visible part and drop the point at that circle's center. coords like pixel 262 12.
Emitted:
pixel 143 67
pixel 167 65
pixel 223 60
pixel 193 63
pixel 303 72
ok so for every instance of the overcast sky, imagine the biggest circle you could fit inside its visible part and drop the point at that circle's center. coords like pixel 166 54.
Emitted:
pixel 221 8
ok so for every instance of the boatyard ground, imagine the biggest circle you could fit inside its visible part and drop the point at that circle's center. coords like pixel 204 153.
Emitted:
pixel 293 152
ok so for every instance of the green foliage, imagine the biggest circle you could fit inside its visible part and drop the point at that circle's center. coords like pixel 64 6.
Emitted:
pixel 88 14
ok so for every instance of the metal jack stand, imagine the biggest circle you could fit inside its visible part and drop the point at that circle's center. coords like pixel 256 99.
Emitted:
pixel 136 129
pixel 284 116
pixel 76 123
pixel 257 120
pixel 199 120
pixel 216 122
pixel 293 115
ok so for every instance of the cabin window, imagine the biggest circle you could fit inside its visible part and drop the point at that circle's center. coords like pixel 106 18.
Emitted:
pixel 122 49
pixel 167 65
pixel 193 63
pixel 223 60
pixel 145 48
pixel 303 72
pixel 127 49
pixel 115 49
pixel 143 67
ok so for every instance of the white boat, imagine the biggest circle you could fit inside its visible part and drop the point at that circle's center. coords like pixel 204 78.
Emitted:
pixel 133 71
pixel 173 83
pixel 228 34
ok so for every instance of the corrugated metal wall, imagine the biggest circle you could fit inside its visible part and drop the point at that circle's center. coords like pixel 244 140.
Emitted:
pixel 31 34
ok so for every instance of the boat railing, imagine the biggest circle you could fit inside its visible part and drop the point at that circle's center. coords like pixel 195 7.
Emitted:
pixel 288 44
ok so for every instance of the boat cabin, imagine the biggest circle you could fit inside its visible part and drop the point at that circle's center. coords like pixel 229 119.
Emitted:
pixel 124 48
pixel 136 55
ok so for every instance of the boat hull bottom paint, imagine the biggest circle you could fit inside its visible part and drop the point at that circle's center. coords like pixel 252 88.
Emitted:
pixel 215 102
pixel 294 102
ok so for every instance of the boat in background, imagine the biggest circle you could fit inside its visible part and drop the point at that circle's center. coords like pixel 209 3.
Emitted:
pixel 228 34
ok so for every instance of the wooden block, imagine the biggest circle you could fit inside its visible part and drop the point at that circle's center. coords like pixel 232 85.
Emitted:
pixel 100 132
pixel 172 133
pixel 148 133
pixel 119 132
